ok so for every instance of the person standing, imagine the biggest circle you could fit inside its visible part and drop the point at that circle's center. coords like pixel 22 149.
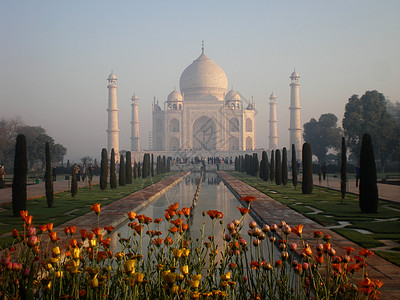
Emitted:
pixel 2 175
pixel 90 172
pixel 357 175
pixel 323 170
pixel 54 173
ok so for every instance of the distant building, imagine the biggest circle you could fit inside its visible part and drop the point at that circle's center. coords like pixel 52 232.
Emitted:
pixel 204 115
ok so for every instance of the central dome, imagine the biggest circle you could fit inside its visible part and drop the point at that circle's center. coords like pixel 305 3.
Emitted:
pixel 203 78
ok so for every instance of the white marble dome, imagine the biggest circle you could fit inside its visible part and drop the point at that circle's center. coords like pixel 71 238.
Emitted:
pixel 233 96
pixel 203 77
pixel 174 96
pixel 112 77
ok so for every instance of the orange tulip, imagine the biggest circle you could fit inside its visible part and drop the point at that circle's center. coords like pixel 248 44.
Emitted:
pixel 174 206
pixel 15 233
pixel 96 208
pixel 42 228
pixel 53 236
pixel 97 231
pixel 243 210
pixel 83 233
pixel 186 211
pixel 109 229
pixel 23 214
pixel 366 253
pixel 158 221
pixel 248 199
pixel 298 229
pixel 50 226
pixel 138 228
pixel 131 215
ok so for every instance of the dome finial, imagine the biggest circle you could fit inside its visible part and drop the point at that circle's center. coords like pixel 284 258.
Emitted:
pixel 202 47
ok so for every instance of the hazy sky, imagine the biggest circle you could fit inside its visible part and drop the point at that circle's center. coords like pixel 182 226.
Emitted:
pixel 55 57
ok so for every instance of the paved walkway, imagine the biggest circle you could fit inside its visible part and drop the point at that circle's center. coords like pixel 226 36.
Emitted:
pixel 270 211
pixel 389 192
pixel 38 190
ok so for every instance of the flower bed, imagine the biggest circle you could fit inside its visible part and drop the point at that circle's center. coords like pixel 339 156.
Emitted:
pixel 155 264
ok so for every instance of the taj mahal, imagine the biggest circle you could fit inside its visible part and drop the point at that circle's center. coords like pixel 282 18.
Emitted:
pixel 203 115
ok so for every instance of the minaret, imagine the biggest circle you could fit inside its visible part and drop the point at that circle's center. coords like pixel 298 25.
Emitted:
pixel 135 145
pixel 113 131
pixel 295 128
pixel 273 123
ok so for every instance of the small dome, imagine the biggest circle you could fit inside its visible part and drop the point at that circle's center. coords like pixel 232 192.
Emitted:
pixel 272 97
pixel 294 74
pixel 232 96
pixel 112 77
pixel 175 96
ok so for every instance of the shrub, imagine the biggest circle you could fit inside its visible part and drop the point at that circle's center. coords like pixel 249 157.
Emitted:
pixel 103 169
pixel 307 183
pixel 74 181
pixel 272 169
pixel 48 177
pixel 343 170
pixel 20 172
pixel 368 196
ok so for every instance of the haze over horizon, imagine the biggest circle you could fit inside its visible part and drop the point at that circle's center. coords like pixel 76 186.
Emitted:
pixel 56 56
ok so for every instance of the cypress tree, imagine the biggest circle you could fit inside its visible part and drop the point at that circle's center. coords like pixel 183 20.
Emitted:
pixel 128 167
pixel 262 166
pixel 272 169
pixel 144 169
pixel 368 196
pixel 294 166
pixel 164 164
pixel 48 179
pixel 343 170
pixel 256 164
pixel 278 167
pixel 307 183
pixel 158 164
pixel 122 172
pixel 113 174
pixel 267 168
pixel 20 172
pixel 103 169
pixel 169 164
pixel 135 170
pixel 68 164
pixel 152 165
pixel 139 169
pixel 284 167
pixel 74 182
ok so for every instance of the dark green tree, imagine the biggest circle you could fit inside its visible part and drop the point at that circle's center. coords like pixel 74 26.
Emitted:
pixel 20 173
pixel 128 167
pixel 135 170
pixel 122 171
pixel 152 165
pixel 169 164
pixel 146 166
pixel 256 165
pixel 284 167
pixel 272 169
pixel 74 182
pixel 294 166
pixel 113 173
pixel 278 167
pixel 48 178
pixel 369 114
pixel 262 173
pixel 103 169
pixel 368 196
pixel 307 183
pixel 139 169
pixel 322 135
pixel 343 170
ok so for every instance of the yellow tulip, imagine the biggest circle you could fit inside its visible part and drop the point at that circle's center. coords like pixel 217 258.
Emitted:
pixel 94 283
pixel 138 277
pixel 129 266
pixel 185 270
pixel 169 277
pixel 92 243
pixel 175 289
pixel 58 274
pixel 76 253
pixel 177 252
pixel 196 277
pixel 195 284
pixel 226 276
pixel 185 252
pixel 56 250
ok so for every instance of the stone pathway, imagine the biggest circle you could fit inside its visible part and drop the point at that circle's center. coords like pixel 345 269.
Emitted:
pixel 270 211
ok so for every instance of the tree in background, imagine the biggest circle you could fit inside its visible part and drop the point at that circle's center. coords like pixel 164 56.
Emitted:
pixel 278 167
pixel 369 114
pixel 122 172
pixel 20 172
pixel 74 182
pixel 152 165
pixel 128 167
pixel 343 170
pixel 256 165
pixel 168 164
pixel 113 173
pixel 135 170
pixel 307 183
pixel 146 166
pixel 284 167
pixel 264 166
pixel 368 196
pixel 322 135
pixel 103 169
pixel 272 169
pixel 294 166
pixel 48 178
pixel 139 169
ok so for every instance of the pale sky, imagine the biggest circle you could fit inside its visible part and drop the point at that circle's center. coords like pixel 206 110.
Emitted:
pixel 55 57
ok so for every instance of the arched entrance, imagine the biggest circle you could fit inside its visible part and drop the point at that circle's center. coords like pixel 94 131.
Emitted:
pixel 249 143
pixel 174 144
pixel 204 134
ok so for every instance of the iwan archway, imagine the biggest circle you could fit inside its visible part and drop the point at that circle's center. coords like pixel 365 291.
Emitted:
pixel 204 134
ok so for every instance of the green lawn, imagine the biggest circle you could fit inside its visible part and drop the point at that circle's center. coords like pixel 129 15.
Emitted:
pixel 329 201
pixel 65 208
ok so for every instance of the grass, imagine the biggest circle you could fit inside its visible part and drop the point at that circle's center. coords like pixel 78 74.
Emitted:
pixel 65 208
pixel 329 201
